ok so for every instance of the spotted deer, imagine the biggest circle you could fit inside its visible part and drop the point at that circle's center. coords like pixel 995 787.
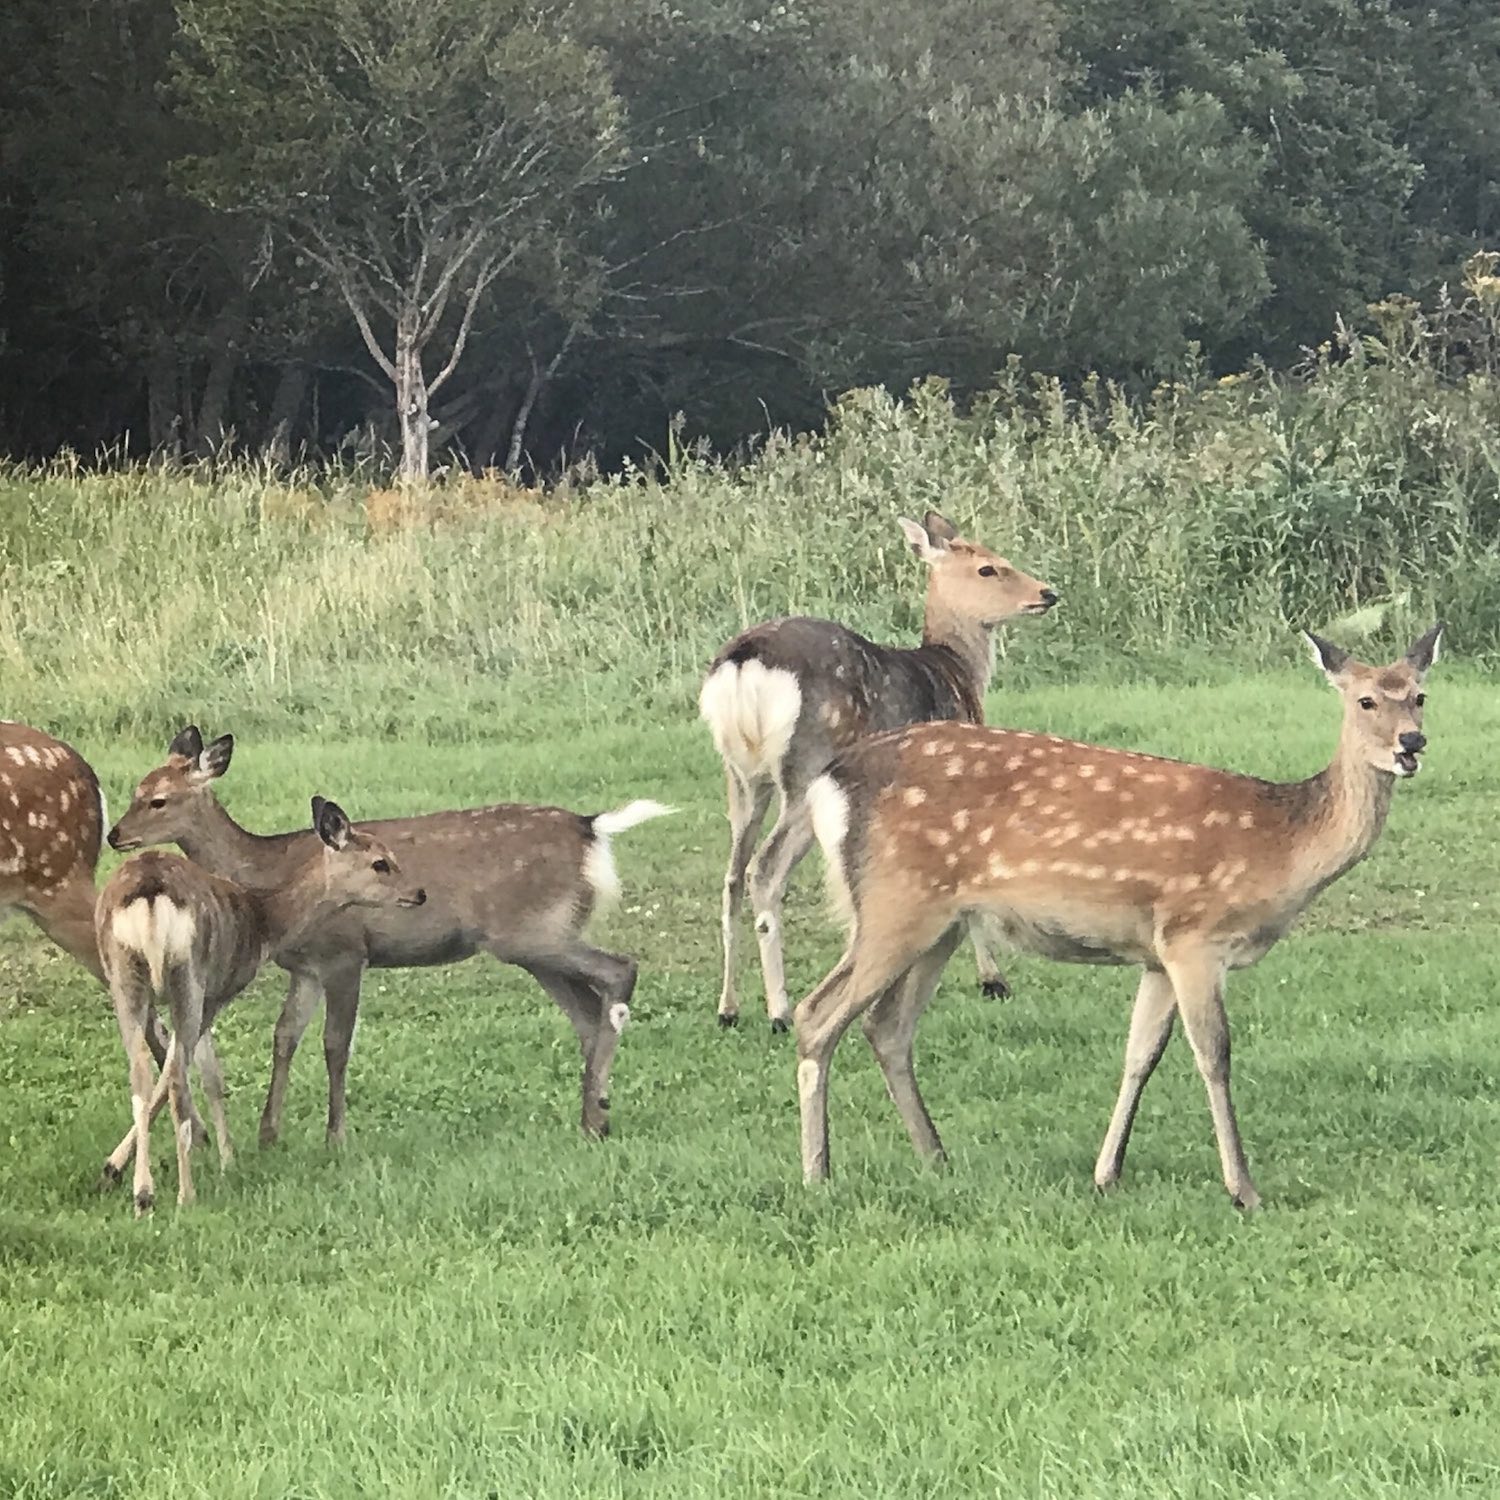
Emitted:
pixel 515 881
pixel 170 932
pixel 1087 855
pixel 783 698
pixel 51 822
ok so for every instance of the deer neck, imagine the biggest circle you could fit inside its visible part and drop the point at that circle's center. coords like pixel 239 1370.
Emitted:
pixel 1348 804
pixel 225 849
pixel 289 912
pixel 968 645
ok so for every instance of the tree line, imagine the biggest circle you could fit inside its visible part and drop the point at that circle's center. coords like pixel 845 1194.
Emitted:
pixel 494 233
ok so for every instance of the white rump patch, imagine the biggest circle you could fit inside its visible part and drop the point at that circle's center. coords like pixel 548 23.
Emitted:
pixel 829 808
pixel 599 863
pixel 160 931
pixel 752 711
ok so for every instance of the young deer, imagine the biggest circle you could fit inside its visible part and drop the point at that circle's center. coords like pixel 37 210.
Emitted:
pixel 1087 855
pixel 170 931
pixel 51 823
pixel 783 698
pixel 514 881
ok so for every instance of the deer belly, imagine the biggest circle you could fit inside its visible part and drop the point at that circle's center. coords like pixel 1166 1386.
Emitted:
pixel 1076 934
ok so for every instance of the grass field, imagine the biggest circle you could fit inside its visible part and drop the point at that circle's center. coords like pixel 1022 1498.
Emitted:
pixel 470 1300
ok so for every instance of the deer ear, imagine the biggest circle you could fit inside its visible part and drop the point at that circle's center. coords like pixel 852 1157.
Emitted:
pixel 939 527
pixel 1424 651
pixel 1329 658
pixel 187 742
pixel 213 762
pixel 928 549
pixel 331 823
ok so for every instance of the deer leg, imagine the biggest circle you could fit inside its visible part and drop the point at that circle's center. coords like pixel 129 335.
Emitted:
pixel 1199 983
pixel 992 982
pixel 340 1020
pixel 790 839
pixel 186 991
pixel 114 1163
pixel 593 989
pixel 213 1086
pixel 891 1029
pixel 129 991
pixel 747 811
pixel 1150 1029
pixel 302 998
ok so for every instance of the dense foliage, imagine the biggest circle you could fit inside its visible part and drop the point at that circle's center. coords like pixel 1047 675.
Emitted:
pixel 1190 532
pixel 273 227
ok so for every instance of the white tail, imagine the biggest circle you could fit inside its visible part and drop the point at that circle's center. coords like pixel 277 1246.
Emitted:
pixel 599 863
pixel 156 930
pixel 751 711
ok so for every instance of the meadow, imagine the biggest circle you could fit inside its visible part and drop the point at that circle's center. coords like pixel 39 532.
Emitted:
pixel 471 1300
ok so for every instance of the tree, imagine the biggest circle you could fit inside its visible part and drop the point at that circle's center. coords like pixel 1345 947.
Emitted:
pixel 413 152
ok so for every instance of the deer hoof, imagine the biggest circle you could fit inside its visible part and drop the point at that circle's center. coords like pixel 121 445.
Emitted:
pixel 994 989
pixel 109 1177
pixel 145 1201
pixel 727 1022
pixel 780 1026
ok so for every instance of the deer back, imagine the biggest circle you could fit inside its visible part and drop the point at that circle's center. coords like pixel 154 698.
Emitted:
pixel 1080 852
pixel 51 815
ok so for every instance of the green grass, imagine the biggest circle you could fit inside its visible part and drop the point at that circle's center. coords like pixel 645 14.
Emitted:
pixel 472 1301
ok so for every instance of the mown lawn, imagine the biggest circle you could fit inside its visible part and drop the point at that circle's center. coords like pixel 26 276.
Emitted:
pixel 470 1300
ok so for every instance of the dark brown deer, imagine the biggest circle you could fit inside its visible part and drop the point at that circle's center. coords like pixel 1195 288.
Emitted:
pixel 783 698
pixel 515 881
pixel 1087 855
pixel 170 932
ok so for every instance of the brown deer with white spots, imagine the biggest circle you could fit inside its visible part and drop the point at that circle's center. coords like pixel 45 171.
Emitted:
pixel 1087 855
pixel 514 881
pixel 783 698
pixel 51 824
pixel 169 931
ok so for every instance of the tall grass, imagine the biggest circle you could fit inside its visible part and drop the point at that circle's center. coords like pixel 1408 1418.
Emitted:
pixel 1199 525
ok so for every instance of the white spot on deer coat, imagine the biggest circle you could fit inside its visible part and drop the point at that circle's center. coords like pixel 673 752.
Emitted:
pixel 914 796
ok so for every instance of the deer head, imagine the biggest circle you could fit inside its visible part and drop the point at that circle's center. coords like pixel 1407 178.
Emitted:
pixel 971 581
pixel 1382 705
pixel 165 805
pixel 358 870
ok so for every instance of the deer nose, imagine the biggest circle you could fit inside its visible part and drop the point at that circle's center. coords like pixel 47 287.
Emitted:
pixel 1049 597
pixel 112 838
pixel 1412 742
pixel 419 896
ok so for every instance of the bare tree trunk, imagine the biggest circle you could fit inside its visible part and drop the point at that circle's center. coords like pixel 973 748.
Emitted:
pixel 163 415
pixel 286 407
pixel 228 340
pixel 411 401
pixel 540 375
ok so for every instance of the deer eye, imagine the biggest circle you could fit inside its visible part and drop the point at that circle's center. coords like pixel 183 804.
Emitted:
pixel 158 802
pixel 1367 703
pixel 987 571
pixel 1421 699
pixel 381 867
